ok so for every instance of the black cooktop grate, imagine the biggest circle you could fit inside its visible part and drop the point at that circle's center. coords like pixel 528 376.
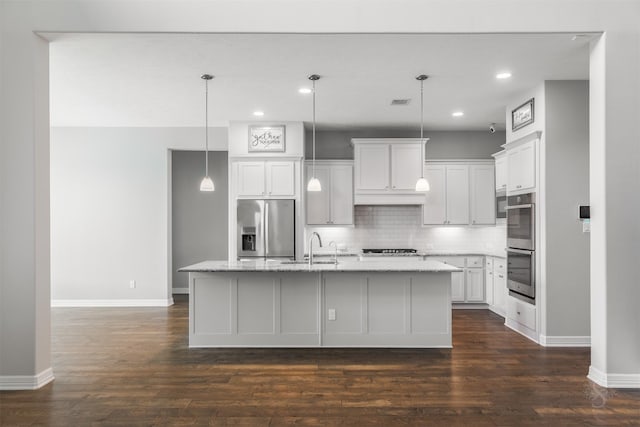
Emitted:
pixel 389 251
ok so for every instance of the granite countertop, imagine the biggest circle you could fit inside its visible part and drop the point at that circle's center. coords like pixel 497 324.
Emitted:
pixel 301 266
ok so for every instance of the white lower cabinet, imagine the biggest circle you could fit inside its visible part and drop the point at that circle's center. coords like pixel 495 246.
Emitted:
pixel 467 286
pixel 474 285
pixel 496 284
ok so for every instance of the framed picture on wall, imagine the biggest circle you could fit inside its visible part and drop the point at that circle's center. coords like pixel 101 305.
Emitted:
pixel 266 138
pixel 522 116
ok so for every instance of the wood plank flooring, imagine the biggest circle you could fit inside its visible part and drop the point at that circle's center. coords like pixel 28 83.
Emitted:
pixel 132 367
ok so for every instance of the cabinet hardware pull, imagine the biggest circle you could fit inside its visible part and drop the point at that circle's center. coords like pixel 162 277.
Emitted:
pixel 518 313
pixel 500 276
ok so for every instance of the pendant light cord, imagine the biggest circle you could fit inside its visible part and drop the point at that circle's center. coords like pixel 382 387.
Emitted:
pixel 313 126
pixel 206 127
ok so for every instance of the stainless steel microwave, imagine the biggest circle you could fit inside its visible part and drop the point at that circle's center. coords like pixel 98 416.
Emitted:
pixel 501 203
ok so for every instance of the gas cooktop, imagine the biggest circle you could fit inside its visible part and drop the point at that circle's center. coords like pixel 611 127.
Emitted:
pixel 389 251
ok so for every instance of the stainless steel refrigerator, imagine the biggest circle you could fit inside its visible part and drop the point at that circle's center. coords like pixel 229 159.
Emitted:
pixel 266 229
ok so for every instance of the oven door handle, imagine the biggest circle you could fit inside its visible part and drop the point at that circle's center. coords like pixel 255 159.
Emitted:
pixel 520 251
pixel 530 205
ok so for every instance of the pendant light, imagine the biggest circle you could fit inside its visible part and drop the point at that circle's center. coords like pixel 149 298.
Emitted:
pixel 422 184
pixel 314 183
pixel 207 182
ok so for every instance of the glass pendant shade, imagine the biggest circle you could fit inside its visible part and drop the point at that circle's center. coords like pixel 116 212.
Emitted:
pixel 207 184
pixel 314 184
pixel 422 185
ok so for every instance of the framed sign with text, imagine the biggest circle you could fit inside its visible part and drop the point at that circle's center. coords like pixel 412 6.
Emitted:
pixel 266 138
pixel 522 116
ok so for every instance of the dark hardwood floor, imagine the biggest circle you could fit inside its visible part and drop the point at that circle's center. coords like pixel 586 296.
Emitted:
pixel 132 367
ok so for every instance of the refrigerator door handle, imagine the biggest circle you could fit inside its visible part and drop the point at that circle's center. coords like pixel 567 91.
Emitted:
pixel 266 228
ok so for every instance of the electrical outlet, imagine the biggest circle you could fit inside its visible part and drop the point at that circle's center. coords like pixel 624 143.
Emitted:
pixel 332 314
pixel 132 284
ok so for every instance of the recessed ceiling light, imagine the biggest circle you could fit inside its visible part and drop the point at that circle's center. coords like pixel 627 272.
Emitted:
pixel 457 113
pixel 304 90
pixel 503 75
pixel 258 113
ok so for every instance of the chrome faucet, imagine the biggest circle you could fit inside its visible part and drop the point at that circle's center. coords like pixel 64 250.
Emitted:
pixel 311 246
pixel 335 252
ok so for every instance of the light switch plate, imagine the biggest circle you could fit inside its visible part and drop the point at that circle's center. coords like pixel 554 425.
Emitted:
pixel 332 314
pixel 586 226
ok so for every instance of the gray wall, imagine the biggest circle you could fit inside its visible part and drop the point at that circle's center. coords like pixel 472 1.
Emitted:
pixel 567 177
pixel 442 144
pixel 198 220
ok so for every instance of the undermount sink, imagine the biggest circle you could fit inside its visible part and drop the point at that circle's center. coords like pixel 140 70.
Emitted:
pixel 307 262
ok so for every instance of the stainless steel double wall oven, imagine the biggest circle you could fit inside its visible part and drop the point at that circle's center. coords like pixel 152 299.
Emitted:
pixel 521 254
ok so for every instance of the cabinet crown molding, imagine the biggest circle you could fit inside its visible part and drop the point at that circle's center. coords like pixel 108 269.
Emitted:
pixel 523 140
pixel 387 140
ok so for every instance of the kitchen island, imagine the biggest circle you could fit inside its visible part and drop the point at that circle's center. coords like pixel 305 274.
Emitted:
pixel 350 304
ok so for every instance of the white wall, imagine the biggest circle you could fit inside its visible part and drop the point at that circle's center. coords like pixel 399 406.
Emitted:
pixel 110 212
pixel 615 152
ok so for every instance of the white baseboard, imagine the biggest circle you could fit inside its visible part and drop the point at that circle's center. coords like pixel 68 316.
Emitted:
pixel 26 382
pixel 521 329
pixel 468 306
pixel 565 341
pixel 613 380
pixel 112 302
pixel 180 291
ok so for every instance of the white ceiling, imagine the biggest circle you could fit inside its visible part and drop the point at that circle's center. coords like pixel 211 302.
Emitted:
pixel 154 79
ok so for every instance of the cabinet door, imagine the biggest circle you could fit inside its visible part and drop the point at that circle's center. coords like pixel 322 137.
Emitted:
pixel 434 210
pixel 475 285
pixel 341 197
pixel 483 197
pixel 372 167
pixel 281 179
pixel 521 169
pixel 499 289
pixel 251 179
pixel 501 172
pixel 457 286
pixel 406 166
pixel 318 202
pixel 488 281
pixel 457 194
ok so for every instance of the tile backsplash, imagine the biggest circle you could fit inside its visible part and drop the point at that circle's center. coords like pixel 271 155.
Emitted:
pixel 401 227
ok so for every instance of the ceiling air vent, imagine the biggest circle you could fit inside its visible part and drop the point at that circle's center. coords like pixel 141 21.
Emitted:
pixel 400 101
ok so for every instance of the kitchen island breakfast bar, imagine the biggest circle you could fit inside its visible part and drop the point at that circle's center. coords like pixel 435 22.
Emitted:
pixel 351 304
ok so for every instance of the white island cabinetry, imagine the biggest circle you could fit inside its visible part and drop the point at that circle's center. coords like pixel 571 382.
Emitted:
pixel 354 304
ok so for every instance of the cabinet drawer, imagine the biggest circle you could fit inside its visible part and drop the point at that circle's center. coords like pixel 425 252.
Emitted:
pixel 456 261
pixel 475 262
pixel 521 312
pixel 500 266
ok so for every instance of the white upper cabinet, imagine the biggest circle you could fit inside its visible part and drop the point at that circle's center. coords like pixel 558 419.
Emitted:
pixel 521 166
pixel 280 179
pixel 372 167
pixel 461 193
pixel 386 170
pixel 501 170
pixel 483 207
pixel 266 179
pixel 458 194
pixel 334 204
pixel 447 202
pixel 405 169
pixel 435 205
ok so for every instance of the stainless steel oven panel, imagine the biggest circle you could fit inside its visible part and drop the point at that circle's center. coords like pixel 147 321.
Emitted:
pixel 521 274
pixel 521 226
